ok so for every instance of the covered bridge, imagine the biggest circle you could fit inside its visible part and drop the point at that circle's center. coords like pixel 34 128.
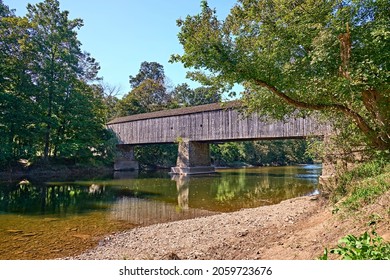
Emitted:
pixel 193 128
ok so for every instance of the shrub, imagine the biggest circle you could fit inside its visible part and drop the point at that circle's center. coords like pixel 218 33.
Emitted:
pixel 364 247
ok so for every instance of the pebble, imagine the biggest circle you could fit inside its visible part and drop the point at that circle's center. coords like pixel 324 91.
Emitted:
pixel 14 231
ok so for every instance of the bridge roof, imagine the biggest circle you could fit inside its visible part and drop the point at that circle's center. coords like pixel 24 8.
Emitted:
pixel 178 111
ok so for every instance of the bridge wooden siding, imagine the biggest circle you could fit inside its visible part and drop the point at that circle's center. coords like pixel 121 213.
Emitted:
pixel 193 128
pixel 209 123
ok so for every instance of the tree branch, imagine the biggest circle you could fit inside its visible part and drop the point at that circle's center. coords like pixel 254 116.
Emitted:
pixel 358 119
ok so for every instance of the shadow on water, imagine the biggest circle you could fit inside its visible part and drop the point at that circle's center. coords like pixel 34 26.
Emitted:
pixel 62 218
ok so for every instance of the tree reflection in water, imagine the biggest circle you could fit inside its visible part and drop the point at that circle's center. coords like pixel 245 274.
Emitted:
pixel 38 198
pixel 227 190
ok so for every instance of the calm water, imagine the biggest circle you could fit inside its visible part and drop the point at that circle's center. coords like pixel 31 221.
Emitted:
pixel 40 220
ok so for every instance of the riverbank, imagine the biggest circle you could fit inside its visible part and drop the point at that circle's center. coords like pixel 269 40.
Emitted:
pixel 298 228
pixel 56 171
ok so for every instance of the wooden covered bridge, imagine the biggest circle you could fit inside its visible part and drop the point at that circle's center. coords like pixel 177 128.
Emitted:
pixel 194 128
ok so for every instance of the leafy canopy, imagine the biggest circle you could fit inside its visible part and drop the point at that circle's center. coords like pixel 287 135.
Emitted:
pixel 326 56
pixel 48 108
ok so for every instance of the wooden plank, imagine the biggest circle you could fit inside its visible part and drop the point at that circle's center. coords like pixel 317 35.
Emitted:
pixel 205 122
pixel 230 125
pixel 198 130
pixel 187 126
pixel 223 116
pixel 164 129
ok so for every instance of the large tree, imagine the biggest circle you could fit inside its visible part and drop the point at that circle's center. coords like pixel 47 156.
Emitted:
pixel 148 71
pixel 18 109
pixel 149 91
pixel 61 72
pixel 56 68
pixel 186 96
pixel 48 107
pixel 330 57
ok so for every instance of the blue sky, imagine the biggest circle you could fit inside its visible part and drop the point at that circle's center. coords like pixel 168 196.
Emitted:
pixel 121 34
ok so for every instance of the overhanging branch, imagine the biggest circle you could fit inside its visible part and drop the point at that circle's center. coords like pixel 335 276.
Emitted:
pixel 358 119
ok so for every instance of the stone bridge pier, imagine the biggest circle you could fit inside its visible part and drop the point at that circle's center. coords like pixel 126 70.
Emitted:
pixel 193 158
pixel 125 160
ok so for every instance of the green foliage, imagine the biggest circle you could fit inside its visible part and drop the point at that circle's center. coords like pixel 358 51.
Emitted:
pixel 148 71
pixel 149 92
pixel 364 247
pixel 363 184
pixel 258 153
pixel 367 191
pixel 185 96
pixel 149 96
pixel 357 188
pixel 315 56
pixel 48 108
pixel 225 154
pixel 157 156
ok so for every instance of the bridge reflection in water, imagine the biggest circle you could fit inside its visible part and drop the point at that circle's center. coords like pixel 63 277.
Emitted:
pixel 147 198
pixel 144 212
pixel 227 190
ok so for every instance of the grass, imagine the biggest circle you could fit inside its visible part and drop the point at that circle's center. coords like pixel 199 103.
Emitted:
pixel 357 188
pixel 362 185
pixel 366 191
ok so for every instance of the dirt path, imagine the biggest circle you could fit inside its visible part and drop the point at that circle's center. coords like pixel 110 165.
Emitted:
pixel 299 228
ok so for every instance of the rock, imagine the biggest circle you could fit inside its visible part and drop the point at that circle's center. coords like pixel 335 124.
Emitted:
pixel 242 233
pixel 15 231
pixel 172 256
pixel 81 236
pixel 29 234
pixel 50 219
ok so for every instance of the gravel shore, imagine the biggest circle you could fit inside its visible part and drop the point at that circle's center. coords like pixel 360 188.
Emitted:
pixel 244 234
pixel 295 229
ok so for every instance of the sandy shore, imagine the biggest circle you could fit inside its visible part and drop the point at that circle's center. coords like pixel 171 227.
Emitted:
pixel 223 236
pixel 298 228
